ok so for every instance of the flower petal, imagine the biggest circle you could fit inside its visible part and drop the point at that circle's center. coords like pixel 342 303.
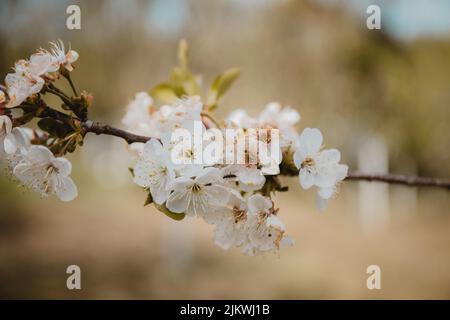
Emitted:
pixel 311 140
pixel 257 204
pixel 63 165
pixel 329 156
pixel 66 189
pixel 159 191
pixel 178 201
pixel 209 175
pixel 306 179
pixel 40 154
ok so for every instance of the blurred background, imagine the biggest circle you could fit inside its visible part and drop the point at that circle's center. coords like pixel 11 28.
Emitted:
pixel 380 96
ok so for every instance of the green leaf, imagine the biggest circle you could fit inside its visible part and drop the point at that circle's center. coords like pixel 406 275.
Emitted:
pixel 149 199
pixel 183 54
pixel 170 214
pixel 167 93
pixel 55 127
pixel 183 79
pixel 221 84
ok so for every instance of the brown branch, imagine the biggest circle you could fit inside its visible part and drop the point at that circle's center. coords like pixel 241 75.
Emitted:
pixel 412 181
pixel 100 128
pixel 286 168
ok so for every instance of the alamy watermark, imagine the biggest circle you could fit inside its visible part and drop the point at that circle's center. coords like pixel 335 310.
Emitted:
pixel 228 146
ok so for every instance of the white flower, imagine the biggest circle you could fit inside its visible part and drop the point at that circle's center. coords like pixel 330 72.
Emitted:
pixel 185 146
pixel 154 171
pixel 239 118
pixel 20 86
pixel 318 167
pixel 198 196
pixel 265 229
pixel 138 118
pixel 278 117
pixel 249 178
pixel 283 119
pixel 180 113
pixel 45 174
pixel 39 64
pixel 11 139
pixel 61 58
pixel 272 117
pixel 230 222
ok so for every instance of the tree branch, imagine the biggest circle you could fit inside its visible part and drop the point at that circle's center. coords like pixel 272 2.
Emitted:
pixel 412 181
pixel 287 169
pixel 100 128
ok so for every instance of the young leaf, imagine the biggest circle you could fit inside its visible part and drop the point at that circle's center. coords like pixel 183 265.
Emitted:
pixel 170 214
pixel 167 93
pixel 183 51
pixel 149 199
pixel 221 84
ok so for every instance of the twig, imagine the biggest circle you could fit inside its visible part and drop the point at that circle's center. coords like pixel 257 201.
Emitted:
pixel 286 169
pixel 100 128
pixel 69 79
pixel 401 179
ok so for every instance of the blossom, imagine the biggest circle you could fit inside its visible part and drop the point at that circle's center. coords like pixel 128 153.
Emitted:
pixel 279 117
pixel 38 65
pixel 198 196
pixel 318 167
pixel 138 118
pixel 239 118
pixel 11 139
pixel 230 222
pixel 179 114
pixel 249 178
pixel 20 86
pixel 265 229
pixel 45 174
pixel 61 58
pixel 274 116
pixel 28 76
pixel 154 171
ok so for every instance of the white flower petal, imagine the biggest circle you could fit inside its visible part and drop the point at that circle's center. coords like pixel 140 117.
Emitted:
pixel 311 140
pixel 209 175
pixel 326 193
pixel 40 154
pixel 306 179
pixel 10 144
pixel 178 201
pixel 299 157
pixel 329 156
pixel 141 173
pixel 275 222
pixel 217 195
pixel 66 189
pixel 5 125
pixel 159 191
pixel 257 204
pixel 63 165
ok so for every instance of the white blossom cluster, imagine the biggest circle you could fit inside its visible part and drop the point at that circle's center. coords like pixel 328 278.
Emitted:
pixel 232 197
pixel 35 166
pixel 233 192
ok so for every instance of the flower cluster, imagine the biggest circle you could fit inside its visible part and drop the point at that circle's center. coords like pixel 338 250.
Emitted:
pixel 30 75
pixel 234 197
pixel 190 164
pixel 35 166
